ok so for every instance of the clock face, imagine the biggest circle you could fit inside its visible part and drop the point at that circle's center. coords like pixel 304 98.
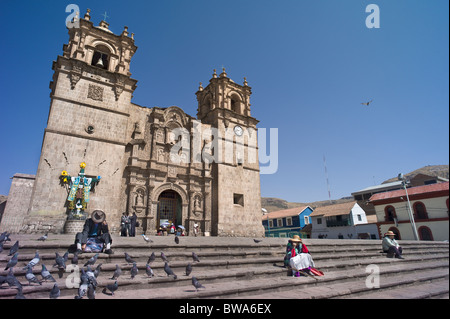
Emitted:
pixel 238 130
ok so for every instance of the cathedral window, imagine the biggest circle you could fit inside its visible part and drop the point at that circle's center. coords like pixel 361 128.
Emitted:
pixel 238 199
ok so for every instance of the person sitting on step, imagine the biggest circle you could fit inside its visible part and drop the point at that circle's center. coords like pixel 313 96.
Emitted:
pixel 96 230
pixel 298 257
pixel 391 246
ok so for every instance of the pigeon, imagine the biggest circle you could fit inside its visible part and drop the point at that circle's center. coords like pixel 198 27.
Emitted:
pixel 128 259
pixel 43 238
pixel 2 280
pixel 1 245
pixel 75 259
pixel 111 287
pixel 59 261
pixel 83 276
pixel 91 276
pixel 92 260
pixel 46 274
pixel 91 291
pixel 4 237
pixel 11 280
pixel 31 277
pixel 163 257
pixel 151 258
pixel 169 271
pixel 117 273
pixel 367 103
pixel 196 283
pixel 19 294
pixel 14 248
pixel 177 240
pixel 148 240
pixel 257 240
pixel 55 292
pixel 188 269
pixel 33 261
pixel 66 256
pixel 12 262
pixel 149 271
pixel 195 257
pixel 134 271
pixel 82 290
pixel 97 270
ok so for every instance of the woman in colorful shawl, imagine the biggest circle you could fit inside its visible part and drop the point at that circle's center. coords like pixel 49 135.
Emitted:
pixel 297 255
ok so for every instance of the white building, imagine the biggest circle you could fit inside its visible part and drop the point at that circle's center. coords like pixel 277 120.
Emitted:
pixel 430 208
pixel 342 221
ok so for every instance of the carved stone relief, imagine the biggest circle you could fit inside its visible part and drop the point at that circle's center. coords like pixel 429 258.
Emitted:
pixel 95 92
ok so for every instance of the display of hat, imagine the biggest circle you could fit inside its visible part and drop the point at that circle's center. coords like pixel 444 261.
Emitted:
pixel 98 216
pixel 296 239
pixel 390 233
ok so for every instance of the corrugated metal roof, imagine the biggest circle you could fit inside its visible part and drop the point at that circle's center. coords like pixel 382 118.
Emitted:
pixel 333 210
pixel 285 213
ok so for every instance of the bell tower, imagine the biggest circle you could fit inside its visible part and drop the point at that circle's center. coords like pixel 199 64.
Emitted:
pixel 88 121
pixel 236 194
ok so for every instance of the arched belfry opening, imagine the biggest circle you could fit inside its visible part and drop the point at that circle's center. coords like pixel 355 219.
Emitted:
pixel 101 57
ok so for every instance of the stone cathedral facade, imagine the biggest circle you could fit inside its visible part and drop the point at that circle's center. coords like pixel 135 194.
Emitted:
pixel 160 163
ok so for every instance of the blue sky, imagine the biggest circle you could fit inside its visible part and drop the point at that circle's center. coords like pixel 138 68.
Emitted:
pixel 310 65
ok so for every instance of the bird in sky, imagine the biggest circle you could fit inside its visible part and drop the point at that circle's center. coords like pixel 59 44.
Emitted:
pixel 367 103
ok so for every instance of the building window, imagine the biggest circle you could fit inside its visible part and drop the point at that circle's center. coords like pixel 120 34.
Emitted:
pixel 359 218
pixel 238 199
pixel 271 223
pixel 319 221
pixel 279 222
pixel 389 214
pixel 425 233
pixel 419 211
pixel 289 221
pixel 306 220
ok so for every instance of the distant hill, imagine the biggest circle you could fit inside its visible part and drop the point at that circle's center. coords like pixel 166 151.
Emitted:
pixel 274 204
pixel 432 170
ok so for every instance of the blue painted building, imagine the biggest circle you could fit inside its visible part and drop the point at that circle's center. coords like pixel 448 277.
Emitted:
pixel 288 222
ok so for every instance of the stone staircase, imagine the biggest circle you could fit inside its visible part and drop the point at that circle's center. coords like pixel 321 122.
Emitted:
pixel 240 268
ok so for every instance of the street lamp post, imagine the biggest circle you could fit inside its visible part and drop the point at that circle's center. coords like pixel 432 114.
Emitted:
pixel 410 213
pixel 265 212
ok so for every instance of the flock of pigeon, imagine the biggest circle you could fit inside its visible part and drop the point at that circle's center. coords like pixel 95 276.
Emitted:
pixel 88 277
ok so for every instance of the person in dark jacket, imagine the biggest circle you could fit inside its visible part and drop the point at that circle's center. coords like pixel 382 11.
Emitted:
pixel 133 224
pixel 95 227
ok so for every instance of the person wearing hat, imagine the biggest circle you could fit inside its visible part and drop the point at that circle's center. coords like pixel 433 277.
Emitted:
pixel 297 255
pixel 391 246
pixel 97 228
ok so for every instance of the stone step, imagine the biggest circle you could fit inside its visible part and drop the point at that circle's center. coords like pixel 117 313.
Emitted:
pixel 219 273
pixel 331 285
pixel 211 260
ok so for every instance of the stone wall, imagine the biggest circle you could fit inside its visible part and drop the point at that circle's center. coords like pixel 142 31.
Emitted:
pixel 18 202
